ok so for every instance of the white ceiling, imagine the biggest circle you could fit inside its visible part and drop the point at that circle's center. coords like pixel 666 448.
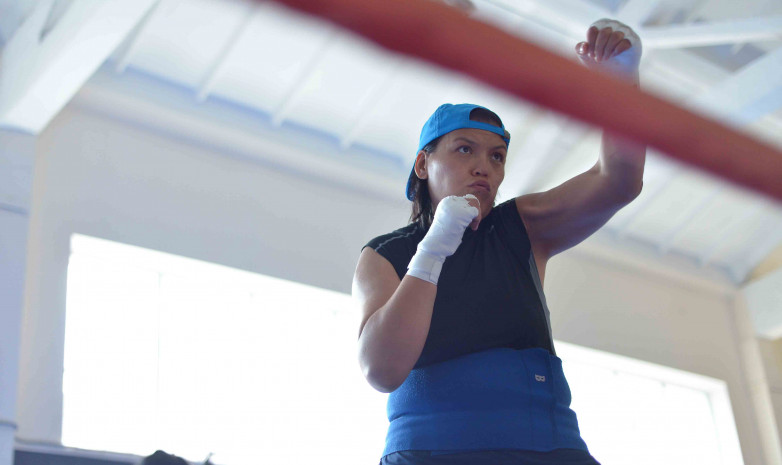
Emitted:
pixel 722 57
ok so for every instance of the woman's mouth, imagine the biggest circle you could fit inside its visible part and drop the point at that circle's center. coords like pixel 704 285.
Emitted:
pixel 481 185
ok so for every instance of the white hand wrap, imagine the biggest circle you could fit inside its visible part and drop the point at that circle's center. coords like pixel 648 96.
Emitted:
pixel 626 63
pixel 452 217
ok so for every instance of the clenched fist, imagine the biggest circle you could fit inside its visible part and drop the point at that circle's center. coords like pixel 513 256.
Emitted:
pixel 453 215
pixel 611 47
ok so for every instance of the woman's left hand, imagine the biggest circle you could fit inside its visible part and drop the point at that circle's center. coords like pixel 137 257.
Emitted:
pixel 611 47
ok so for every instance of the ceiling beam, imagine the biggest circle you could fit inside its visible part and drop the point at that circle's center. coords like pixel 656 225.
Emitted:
pixel 297 88
pixel 770 263
pixel 543 148
pixel 713 33
pixel 753 103
pixel 218 66
pixel 12 14
pixel 740 99
pixel 664 175
pixel 769 238
pixel 133 99
pixel 530 161
pixel 636 12
pixel 517 19
pixel 732 230
pixel 396 66
pixel 128 50
pixel 750 93
pixel 571 17
pixel 668 240
pixel 41 71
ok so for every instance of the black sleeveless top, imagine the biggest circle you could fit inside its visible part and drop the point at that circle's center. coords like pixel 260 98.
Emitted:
pixel 489 293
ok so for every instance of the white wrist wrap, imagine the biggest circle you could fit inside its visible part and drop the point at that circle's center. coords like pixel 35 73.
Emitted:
pixel 451 218
pixel 425 266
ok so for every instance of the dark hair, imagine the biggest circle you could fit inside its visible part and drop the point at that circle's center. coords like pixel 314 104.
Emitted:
pixel 423 211
pixel 163 458
pixel 422 208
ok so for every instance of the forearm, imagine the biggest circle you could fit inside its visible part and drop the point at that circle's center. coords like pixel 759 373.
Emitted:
pixel 622 161
pixel 394 336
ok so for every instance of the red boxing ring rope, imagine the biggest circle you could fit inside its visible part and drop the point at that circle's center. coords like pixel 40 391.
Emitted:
pixel 447 37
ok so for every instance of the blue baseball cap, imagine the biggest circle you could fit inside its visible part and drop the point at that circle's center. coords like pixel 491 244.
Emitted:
pixel 449 118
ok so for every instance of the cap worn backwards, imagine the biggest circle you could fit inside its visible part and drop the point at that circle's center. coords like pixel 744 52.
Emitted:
pixel 449 118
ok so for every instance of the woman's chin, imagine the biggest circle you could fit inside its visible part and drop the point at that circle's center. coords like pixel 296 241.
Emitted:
pixel 483 195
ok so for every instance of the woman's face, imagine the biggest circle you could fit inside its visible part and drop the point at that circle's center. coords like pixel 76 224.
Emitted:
pixel 466 161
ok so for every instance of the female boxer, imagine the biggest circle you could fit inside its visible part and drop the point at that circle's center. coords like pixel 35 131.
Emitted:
pixel 455 324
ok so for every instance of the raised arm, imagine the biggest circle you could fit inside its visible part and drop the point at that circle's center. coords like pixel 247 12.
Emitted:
pixel 566 215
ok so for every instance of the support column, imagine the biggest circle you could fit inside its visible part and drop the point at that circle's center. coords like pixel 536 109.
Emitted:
pixel 757 382
pixel 16 171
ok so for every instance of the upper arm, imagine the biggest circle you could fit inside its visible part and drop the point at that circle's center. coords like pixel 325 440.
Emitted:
pixel 374 282
pixel 562 217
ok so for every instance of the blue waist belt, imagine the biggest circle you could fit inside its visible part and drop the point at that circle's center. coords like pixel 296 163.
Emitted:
pixel 494 399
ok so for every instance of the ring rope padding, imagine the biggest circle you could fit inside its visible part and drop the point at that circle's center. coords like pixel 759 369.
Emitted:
pixel 445 36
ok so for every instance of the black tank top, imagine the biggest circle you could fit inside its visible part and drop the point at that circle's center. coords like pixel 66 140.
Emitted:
pixel 489 293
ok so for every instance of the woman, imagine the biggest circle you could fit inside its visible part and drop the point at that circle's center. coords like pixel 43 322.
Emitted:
pixel 455 324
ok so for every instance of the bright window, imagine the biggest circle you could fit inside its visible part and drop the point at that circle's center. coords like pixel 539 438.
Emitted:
pixel 630 411
pixel 165 352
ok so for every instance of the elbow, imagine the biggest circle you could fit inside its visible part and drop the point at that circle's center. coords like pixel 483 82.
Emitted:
pixel 385 361
pixel 627 192
pixel 383 377
pixel 384 384
pixel 632 191
pixel 625 181
pixel 636 191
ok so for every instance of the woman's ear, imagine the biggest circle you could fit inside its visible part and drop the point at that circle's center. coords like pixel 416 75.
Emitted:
pixel 420 165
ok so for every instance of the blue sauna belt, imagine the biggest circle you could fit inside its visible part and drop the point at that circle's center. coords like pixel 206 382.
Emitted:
pixel 494 399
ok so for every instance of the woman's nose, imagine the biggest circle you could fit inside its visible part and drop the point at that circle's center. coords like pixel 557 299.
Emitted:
pixel 481 166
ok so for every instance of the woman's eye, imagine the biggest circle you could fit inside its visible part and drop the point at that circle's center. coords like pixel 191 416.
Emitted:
pixel 499 157
pixel 464 149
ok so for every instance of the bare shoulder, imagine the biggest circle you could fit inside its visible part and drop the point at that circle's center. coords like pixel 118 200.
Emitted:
pixel 374 282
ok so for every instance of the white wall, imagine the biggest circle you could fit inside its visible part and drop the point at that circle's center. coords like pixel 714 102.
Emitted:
pixel 640 313
pixel 771 352
pixel 110 180
pixel 17 155
pixel 120 181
